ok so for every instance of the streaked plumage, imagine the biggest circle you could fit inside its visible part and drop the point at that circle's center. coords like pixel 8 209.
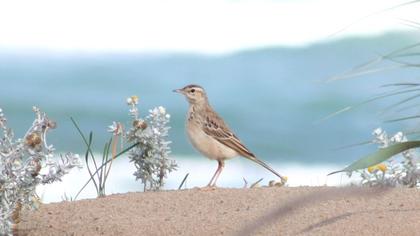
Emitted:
pixel 210 135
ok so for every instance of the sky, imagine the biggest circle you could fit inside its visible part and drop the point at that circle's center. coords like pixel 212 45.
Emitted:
pixel 212 26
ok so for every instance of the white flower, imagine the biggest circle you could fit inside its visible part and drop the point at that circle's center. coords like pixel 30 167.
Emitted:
pixel 398 138
pixel 115 128
pixel 156 131
pixel 35 109
pixel 377 132
pixel 133 100
pixel 112 128
pixel 75 161
pixel 154 111
pixel 162 110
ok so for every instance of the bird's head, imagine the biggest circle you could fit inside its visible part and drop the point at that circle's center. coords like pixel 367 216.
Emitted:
pixel 195 94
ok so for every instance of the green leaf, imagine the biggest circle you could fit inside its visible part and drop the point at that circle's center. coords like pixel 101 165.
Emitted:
pixel 381 155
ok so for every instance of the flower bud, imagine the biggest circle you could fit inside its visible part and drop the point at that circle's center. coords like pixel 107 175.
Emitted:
pixel 37 169
pixel 139 124
pixel 52 124
pixel 33 140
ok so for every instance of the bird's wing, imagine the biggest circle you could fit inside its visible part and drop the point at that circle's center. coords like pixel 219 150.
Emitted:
pixel 214 126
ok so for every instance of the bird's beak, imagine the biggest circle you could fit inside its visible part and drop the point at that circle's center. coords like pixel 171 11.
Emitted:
pixel 177 91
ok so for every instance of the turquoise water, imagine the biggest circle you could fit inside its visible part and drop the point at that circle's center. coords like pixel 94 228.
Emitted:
pixel 270 97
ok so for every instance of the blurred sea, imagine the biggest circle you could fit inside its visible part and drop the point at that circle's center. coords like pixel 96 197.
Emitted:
pixel 272 98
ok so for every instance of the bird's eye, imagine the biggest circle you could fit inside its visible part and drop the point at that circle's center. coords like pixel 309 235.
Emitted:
pixel 192 90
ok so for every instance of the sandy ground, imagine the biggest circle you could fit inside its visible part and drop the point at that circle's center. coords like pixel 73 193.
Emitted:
pixel 258 211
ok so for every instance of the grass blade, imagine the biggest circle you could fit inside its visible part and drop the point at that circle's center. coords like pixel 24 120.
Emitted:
pixel 379 156
pixel 352 145
pixel 373 14
pixel 100 167
pixel 84 139
pixel 400 103
pixel 107 168
pixel 368 67
pixel 408 84
pixel 256 183
pixel 87 165
pixel 183 181
pixel 103 170
pixel 359 73
pixel 348 108
pixel 403 118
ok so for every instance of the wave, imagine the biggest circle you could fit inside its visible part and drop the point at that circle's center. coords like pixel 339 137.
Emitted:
pixel 200 171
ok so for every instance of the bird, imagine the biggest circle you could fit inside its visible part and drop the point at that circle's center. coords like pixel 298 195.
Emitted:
pixel 211 136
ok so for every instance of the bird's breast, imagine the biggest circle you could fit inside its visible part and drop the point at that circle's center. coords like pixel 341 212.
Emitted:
pixel 206 144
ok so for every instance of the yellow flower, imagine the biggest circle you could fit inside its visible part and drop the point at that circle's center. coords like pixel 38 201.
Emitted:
pixel 382 167
pixel 135 99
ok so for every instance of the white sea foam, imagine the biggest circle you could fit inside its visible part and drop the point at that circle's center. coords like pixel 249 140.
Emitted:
pixel 121 179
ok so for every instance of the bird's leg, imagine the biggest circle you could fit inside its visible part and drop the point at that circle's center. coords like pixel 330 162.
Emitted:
pixel 217 174
pixel 212 178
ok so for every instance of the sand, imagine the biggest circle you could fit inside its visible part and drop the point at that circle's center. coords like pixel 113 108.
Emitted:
pixel 257 211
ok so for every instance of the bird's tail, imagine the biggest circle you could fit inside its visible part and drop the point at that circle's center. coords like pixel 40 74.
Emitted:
pixel 263 164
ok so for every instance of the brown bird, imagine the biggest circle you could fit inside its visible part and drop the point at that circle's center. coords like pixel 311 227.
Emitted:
pixel 210 135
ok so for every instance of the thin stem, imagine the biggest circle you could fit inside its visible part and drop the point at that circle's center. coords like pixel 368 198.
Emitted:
pixel 119 154
pixel 92 177
pixel 114 153
pixel 84 139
